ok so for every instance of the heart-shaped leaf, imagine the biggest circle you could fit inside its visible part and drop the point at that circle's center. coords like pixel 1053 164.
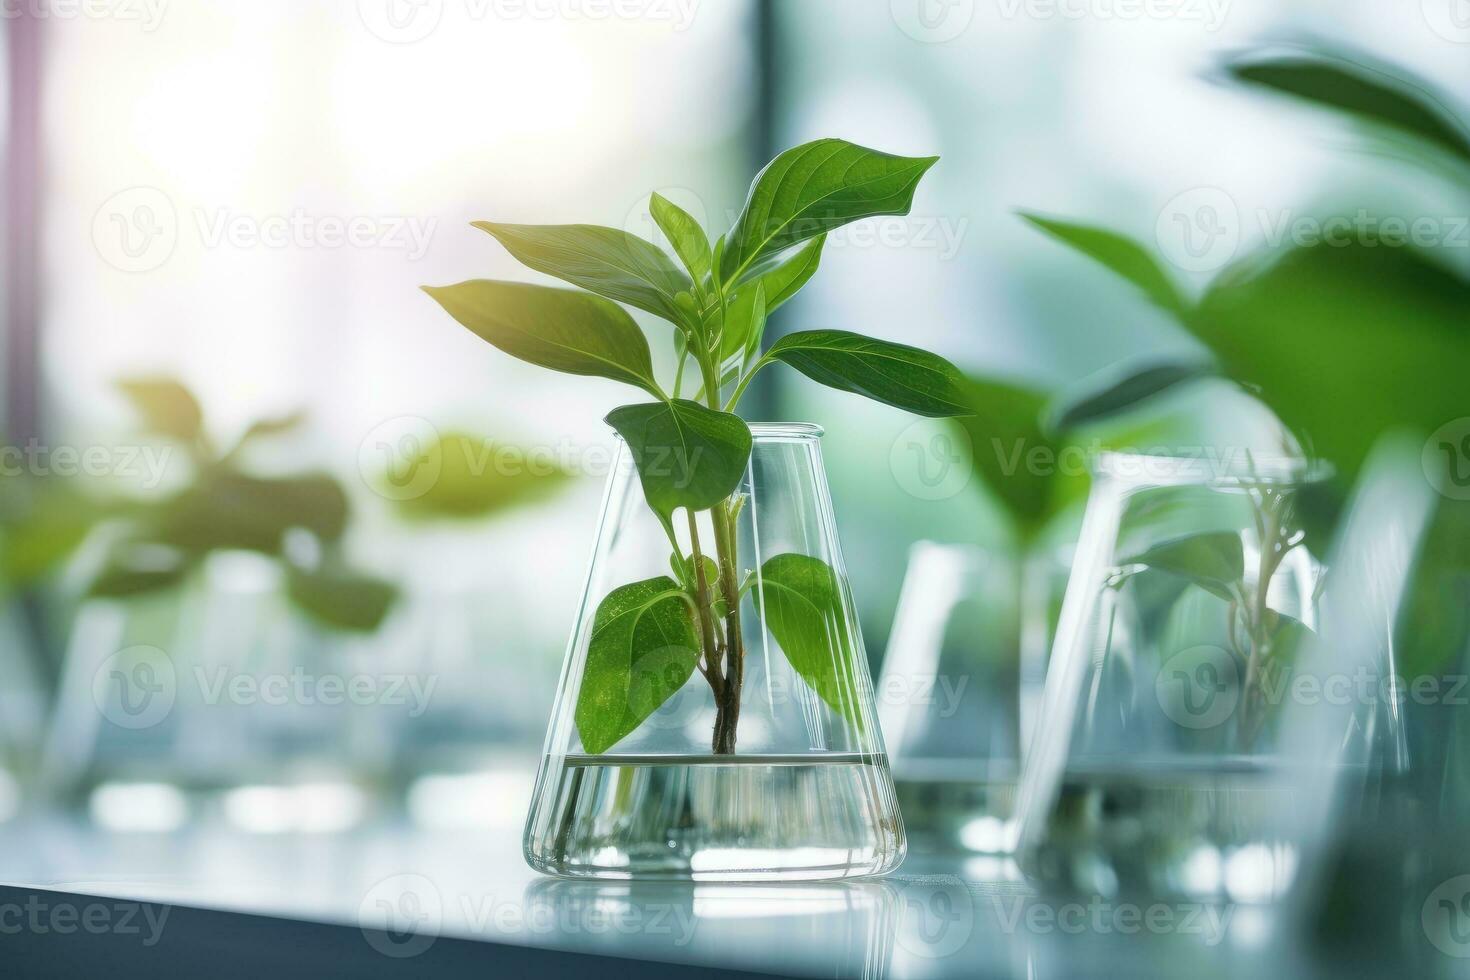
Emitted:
pixel 643 649
pixel 813 188
pixel 555 328
pixel 608 261
pixel 688 239
pixel 777 286
pixel 802 604
pixel 687 455
pixel 1215 560
pixel 894 374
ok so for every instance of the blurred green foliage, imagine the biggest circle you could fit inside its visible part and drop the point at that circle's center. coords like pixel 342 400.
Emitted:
pixel 477 477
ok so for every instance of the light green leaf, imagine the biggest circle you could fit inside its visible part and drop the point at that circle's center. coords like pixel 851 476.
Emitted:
pixel 342 599
pixel 1120 389
pixel 1362 92
pixel 477 477
pixel 813 188
pixel 1120 254
pixel 778 285
pixel 607 261
pixel 802 604
pixel 227 509
pixel 687 455
pixel 1003 424
pixel 684 233
pixel 555 328
pixel 894 374
pixel 643 649
pixel 167 407
pixel 1214 560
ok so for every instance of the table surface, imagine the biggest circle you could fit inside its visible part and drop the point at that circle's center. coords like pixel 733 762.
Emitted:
pixel 939 916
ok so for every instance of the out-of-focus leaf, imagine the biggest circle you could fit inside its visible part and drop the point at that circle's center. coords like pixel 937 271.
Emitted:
pixel 1117 252
pixel 1345 343
pixel 478 477
pixel 139 568
pixel 227 509
pixel 1366 94
pixel 1007 442
pixel 342 599
pixel 560 329
pixel 1120 389
pixel 1432 634
pixel 643 649
pixel 1215 560
pixel 607 261
pixel 41 524
pixel 166 407
pixel 687 455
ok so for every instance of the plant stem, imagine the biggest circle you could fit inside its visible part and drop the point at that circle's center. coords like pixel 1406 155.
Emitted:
pixel 704 606
pixel 727 714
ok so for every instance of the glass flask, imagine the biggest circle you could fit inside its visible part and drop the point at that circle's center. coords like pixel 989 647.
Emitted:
pixel 960 681
pixel 1158 763
pixel 804 792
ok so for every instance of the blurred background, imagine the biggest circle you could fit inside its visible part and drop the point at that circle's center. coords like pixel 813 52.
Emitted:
pixel 286 548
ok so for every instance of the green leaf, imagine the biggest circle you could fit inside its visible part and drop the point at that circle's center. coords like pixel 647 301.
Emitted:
pixel 1003 424
pixel 136 568
pixel 554 328
pixel 1214 560
pixel 1120 389
pixel 813 188
pixel 477 477
pixel 744 327
pixel 687 455
pixel 607 261
pixel 230 510
pixel 1367 94
pixel 342 599
pixel 684 233
pixel 894 374
pixel 42 522
pixel 643 649
pixel 167 407
pixel 1120 254
pixel 802 603
pixel 778 285
pixel 684 572
pixel 1344 343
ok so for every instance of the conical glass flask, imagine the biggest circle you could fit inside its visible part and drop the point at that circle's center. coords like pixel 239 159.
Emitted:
pixel 631 784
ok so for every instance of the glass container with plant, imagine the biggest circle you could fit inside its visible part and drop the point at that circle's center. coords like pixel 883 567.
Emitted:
pixel 768 763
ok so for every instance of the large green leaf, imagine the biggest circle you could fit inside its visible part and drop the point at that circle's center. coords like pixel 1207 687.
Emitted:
pixel 687 455
pixel 342 599
pixel 1344 343
pixel 643 649
pixel 1365 93
pixel 688 239
pixel 813 188
pixel 1003 424
pixel 1213 560
pixel 894 374
pixel 607 261
pixel 227 509
pixel 1120 389
pixel 776 286
pixel 166 406
pixel 477 477
pixel 1120 254
pixel 802 604
pixel 554 328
